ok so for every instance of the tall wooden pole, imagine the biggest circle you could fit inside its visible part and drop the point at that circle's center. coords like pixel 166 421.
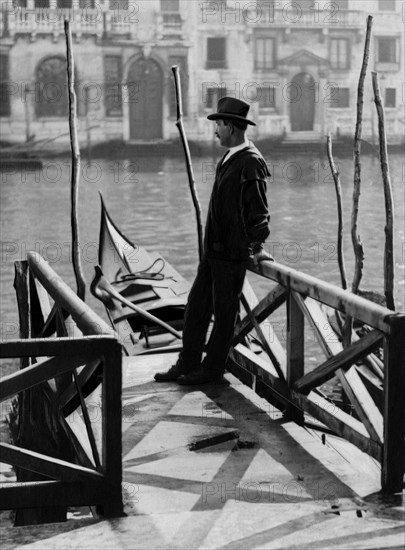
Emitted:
pixel 180 126
pixel 357 244
pixel 389 206
pixel 338 190
pixel 74 144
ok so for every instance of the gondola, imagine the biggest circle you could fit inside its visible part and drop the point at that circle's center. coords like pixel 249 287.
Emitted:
pixel 143 294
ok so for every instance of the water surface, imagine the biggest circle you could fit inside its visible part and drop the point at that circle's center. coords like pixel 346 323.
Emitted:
pixel 149 200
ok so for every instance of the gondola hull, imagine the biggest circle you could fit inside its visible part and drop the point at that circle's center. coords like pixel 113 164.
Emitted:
pixel 144 279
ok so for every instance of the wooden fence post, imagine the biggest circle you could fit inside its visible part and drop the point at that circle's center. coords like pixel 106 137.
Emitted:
pixel 34 430
pixel 295 349
pixel 112 436
pixel 394 413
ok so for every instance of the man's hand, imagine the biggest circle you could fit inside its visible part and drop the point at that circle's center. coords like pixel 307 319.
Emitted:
pixel 261 256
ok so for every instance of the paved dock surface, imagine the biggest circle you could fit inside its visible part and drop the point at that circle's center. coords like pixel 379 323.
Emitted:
pixel 218 467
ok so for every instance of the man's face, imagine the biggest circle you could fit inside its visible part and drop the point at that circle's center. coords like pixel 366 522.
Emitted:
pixel 223 133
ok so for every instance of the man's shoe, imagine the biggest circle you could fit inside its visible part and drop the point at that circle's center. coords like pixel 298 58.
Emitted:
pixel 170 375
pixel 201 376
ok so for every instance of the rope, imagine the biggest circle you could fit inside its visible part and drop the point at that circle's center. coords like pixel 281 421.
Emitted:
pixel 146 273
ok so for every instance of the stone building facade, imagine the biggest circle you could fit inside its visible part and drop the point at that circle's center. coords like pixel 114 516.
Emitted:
pixel 296 62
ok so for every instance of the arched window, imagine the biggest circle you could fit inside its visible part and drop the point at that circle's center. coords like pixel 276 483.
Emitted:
pixel 52 88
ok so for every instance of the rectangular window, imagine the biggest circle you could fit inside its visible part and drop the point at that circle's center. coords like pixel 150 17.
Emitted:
pixel 340 98
pixel 119 5
pixel 86 4
pixel 112 85
pixel 4 87
pixel 169 5
pixel 339 53
pixel 212 95
pixel 42 4
pixel 172 21
pixel 267 97
pixel 216 53
pixel 386 5
pixel 390 97
pixel 181 61
pixel 264 53
pixel 64 4
pixel 387 50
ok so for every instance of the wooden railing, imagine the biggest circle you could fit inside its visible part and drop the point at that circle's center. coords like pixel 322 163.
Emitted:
pixel 375 387
pixel 65 454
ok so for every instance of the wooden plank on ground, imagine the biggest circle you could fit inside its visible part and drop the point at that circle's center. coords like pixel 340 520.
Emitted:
pixel 45 465
pixel 343 359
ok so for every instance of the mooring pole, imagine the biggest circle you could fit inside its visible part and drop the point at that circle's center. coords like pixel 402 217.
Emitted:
pixel 180 126
pixel 74 144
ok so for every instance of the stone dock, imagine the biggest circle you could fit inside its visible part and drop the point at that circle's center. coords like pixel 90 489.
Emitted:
pixel 218 467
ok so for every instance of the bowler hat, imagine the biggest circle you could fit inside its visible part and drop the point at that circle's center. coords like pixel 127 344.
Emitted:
pixel 230 108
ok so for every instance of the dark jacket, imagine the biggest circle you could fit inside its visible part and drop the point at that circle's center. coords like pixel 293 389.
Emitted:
pixel 238 214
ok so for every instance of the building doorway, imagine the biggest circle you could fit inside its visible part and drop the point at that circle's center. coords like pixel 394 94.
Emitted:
pixel 302 99
pixel 145 97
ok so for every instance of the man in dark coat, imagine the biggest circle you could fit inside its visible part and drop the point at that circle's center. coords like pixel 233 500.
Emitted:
pixel 236 228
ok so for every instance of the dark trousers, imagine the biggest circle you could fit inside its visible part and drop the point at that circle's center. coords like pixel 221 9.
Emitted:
pixel 216 290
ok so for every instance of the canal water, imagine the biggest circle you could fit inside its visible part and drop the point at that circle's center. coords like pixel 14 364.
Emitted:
pixel 149 200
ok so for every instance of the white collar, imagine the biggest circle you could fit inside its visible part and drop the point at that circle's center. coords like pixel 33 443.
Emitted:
pixel 235 149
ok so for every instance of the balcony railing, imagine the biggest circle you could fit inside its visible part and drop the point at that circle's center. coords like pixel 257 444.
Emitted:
pixel 51 21
pixel 84 21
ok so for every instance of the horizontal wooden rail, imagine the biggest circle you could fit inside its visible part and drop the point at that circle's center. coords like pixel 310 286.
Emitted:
pixel 42 347
pixel 44 465
pixel 35 494
pixel 327 293
pixel 374 388
pixel 37 373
